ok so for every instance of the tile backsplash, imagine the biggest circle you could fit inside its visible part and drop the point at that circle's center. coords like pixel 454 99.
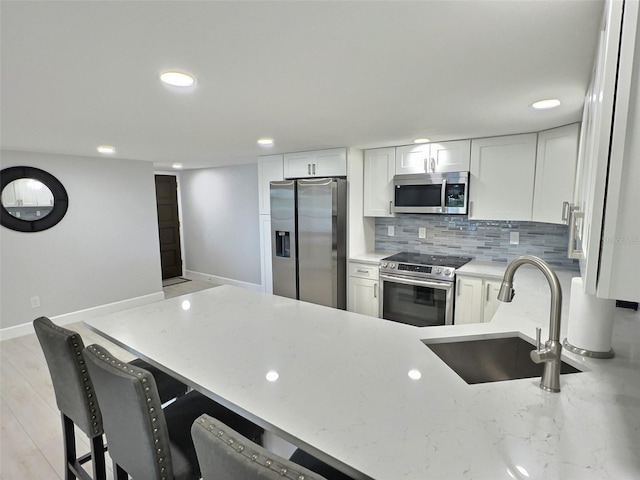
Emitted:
pixel 480 239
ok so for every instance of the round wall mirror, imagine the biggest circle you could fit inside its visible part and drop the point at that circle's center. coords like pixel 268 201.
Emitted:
pixel 32 199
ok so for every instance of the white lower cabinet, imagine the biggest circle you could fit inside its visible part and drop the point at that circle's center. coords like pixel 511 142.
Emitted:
pixel 363 284
pixel 476 299
pixel 491 302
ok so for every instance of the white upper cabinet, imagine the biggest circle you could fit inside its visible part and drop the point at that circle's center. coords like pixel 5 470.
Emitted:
pixel 555 173
pixel 450 156
pixel 298 165
pixel 320 163
pixel 379 169
pixel 433 157
pixel 502 177
pixel 604 230
pixel 269 169
pixel 412 159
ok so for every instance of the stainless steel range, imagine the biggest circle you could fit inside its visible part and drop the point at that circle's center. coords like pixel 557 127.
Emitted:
pixel 418 289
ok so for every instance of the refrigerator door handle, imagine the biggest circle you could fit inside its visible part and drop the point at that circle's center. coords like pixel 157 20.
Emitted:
pixel 314 181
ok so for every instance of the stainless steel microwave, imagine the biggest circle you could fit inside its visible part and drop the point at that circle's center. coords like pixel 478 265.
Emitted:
pixel 442 193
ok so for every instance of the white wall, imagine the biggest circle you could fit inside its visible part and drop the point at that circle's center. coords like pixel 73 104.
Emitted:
pixel 104 250
pixel 220 222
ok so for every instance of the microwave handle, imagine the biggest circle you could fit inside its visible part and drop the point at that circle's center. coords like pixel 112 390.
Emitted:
pixel 443 195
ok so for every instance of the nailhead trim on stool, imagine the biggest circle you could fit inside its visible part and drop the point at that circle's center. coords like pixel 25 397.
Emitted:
pixel 285 471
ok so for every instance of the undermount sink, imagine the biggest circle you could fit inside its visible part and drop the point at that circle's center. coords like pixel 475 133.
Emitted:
pixel 490 359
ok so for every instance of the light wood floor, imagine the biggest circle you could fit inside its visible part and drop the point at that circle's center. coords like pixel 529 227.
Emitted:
pixel 31 435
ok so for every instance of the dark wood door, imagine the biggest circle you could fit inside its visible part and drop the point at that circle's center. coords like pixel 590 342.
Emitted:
pixel 169 226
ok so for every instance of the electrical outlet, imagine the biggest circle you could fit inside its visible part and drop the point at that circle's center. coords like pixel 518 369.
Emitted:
pixel 422 232
pixel 35 302
pixel 391 230
pixel 514 238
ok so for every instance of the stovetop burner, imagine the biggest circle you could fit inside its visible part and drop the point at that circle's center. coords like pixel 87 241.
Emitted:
pixel 450 261
pixel 421 265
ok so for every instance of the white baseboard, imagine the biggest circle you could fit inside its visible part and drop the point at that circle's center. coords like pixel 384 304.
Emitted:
pixel 205 277
pixel 81 315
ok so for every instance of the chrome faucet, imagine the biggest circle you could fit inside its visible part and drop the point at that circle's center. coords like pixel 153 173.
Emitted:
pixel 550 355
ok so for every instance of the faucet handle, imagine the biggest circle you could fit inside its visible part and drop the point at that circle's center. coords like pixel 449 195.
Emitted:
pixel 538 334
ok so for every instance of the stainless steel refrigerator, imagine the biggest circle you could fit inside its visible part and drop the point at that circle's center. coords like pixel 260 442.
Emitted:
pixel 308 233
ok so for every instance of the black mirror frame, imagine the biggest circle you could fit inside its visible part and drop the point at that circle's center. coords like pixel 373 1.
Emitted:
pixel 60 200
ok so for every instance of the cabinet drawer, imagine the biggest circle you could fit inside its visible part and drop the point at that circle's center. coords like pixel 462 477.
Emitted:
pixel 363 270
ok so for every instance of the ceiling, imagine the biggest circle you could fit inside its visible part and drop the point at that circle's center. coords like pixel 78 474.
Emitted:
pixel 309 74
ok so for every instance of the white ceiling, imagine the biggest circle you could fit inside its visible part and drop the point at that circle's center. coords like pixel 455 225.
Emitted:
pixel 309 74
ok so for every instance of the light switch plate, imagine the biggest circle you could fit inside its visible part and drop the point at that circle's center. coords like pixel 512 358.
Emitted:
pixel 422 232
pixel 514 238
pixel 391 230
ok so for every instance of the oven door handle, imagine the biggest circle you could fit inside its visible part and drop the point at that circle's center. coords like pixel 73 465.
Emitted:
pixel 418 283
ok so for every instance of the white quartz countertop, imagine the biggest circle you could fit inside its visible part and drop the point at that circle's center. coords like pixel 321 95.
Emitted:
pixel 370 257
pixel 480 268
pixel 344 390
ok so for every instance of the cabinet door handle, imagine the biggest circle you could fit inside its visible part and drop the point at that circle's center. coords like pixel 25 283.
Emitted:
pixel 308 169
pixel 565 212
pixel 390 207
pixel 458 288
pixel 488 288
pixel 574 215
pixel 359 270
pixel 433 165
pixel 313 168
pixel 375 290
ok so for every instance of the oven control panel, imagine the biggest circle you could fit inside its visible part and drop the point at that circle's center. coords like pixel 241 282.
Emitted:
pixel 424 271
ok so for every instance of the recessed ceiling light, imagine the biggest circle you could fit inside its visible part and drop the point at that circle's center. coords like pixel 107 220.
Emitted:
pixel 265 142
pixel 107 149
pixel 421 140
pixel 177 79
pixel 177 166
pixel 546 104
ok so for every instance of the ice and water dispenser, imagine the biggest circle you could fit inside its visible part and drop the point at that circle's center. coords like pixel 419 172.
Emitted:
pixel 283 245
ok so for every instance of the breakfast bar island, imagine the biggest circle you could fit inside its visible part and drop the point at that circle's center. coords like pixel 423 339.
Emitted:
pixel 367 396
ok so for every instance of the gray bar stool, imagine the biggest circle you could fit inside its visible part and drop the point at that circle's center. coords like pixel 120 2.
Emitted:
pixel 224 454
pixel 146 441
pixel 75 395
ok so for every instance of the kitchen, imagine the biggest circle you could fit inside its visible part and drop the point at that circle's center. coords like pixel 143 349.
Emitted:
pixel 368 227
pixel 221 241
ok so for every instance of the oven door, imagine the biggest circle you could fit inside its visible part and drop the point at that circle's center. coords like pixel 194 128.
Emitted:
pixel 422 303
